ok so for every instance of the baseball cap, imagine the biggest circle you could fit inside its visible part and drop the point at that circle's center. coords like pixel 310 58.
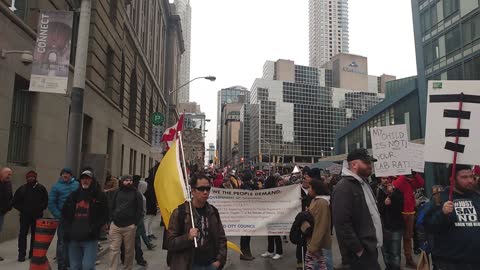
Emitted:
pixel 360 154
pixel 87 173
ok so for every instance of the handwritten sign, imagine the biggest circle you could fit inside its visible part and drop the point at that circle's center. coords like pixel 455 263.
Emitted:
pixel 417 162
pixel 258 212
pixel 389 145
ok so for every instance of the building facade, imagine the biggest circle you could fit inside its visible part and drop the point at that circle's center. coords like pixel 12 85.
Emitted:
pixel 184 10
pixel 129 66
pixel 230 130
pixel 295 114
pixel 234 94
pixel 328 30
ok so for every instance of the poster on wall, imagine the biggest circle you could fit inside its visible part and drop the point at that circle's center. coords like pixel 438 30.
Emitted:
pixel 257 212
pixel 51 56
pixel 390 148
pixel 443 112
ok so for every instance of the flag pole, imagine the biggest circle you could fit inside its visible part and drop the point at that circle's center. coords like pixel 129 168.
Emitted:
pixel 189 189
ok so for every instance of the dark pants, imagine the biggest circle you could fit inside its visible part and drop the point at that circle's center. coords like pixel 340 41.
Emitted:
pixel 392 249
pixel 26 224
pixel 245 244
pixel 275 241
pixel 301 253
pixel 446 265
pixel 368 260
pixel 138 243
pixel 62 246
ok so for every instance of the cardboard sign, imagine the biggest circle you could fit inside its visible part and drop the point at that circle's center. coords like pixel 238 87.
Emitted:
pixel 389 145
pixel 442 116
pixel 417 163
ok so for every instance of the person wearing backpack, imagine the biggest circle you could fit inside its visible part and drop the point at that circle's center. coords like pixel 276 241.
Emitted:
pixel 127 211
pixel 211 253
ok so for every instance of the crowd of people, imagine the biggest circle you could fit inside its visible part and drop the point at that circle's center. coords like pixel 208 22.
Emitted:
pixel 367 215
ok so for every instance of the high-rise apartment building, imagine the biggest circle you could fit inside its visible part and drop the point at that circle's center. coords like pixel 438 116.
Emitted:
pixel 184 10
pixel 328 30
pixel 295 113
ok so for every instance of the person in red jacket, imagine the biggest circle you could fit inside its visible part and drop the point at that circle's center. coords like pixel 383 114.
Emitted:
pixel 407 184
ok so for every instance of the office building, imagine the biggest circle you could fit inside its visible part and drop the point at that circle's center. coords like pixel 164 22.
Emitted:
pixel 184 10
pixel 328 30
pixel 231 95
pixel 295 114
pixel 132 59
pixel 230 130
pixel 244 144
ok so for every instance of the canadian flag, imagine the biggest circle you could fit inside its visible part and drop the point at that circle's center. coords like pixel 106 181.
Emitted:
pixel 171 134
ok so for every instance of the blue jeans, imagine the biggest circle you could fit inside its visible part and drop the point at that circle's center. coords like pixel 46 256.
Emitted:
pixel 83 255
pixel 392 249
pixel 327 253
pixel 62 247
pixel 196 267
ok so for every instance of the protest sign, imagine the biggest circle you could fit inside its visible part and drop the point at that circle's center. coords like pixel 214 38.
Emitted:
pixel 258 212
pixel 389 145
pixel 416 152
pixel 51 58
pixel 442 117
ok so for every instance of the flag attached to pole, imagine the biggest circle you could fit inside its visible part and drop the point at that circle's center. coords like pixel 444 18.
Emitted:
pixel 169 183
pixel 171 134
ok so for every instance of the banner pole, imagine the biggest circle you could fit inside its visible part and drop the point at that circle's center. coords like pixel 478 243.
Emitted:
pixel 455 153
pixel 189 189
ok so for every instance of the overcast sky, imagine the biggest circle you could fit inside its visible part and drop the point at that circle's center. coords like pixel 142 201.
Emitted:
pixel 232 39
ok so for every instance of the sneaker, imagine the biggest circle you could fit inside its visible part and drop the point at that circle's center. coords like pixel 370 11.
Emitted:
pixel 1 259
pixel 267 255
pixel 246 258
pixel 142 263
pixel 277 257
pixel 21 259
pixel 299 266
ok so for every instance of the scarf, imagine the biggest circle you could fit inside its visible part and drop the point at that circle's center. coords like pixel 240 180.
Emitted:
pixel 371 203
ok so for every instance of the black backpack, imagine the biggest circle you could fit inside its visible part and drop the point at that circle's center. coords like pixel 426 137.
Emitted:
pixel 298 237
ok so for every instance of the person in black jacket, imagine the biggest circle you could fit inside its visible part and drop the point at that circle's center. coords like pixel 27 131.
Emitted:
pixel 390 206
pixel 85 213
pixel 273 241
pixel 152 208
pixel 5 195
pixel 30 199
pixel 247 184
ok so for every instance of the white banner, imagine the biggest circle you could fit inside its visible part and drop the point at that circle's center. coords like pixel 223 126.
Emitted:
pixel 416 157
pixel 389 145
pixel 51 58
pixel 442 115
pixel 258 212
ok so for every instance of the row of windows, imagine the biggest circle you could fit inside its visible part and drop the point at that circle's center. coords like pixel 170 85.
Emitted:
pixel 132 163
pixel 430 17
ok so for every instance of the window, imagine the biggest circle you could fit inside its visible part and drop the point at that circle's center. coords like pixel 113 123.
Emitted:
pixel 450 7
pixel 472 69
pixel 113 11
pixel 150 113
pixel 132 168
pixel 22 9
pixel 143 109
pixel 452 40
pixel 132 108
pixel 73 44
pixel 455 73
pixel 109 149
pixel 87 133
pixel 122 83
pixel 122 158
pixel 471 29
pixel 20 124
pixel 109 66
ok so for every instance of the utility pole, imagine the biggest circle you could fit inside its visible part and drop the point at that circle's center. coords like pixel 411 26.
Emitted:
pixel 75 123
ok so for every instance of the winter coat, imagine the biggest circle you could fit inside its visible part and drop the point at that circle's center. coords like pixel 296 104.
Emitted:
pixel 408 188
pixel 6 197
pixel 457 235
pixel 352 220
pixel 391 215
pixel 98 212
pixel 321 236
pixel 181 249
pixel 31 200
pixel 127 207
pixel 150 196
pixel 142 188
pixel 58 194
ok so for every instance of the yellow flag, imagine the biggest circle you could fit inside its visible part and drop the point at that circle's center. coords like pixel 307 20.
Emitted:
pixel 169 183
pixel 170 187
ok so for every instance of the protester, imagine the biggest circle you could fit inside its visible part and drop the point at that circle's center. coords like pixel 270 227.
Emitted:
pixel 5 195
pixel 476 175
pixel 218 180
pixel 355 214
pixel 208 232
pixel 408 185
pixel 321 238
pixel 245 240
pixel 126 211
pixel 455 224
pixel 57 196
pixel 274 242
pixel 140 232
pixel 301 248
pixel 390 206
pixel 85 213
pixel 30 199
pixel 152 208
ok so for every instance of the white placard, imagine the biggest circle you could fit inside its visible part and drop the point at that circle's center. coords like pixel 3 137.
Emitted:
pixel 258 212
pixel 442 103
pixel 416 157
pixel 389 145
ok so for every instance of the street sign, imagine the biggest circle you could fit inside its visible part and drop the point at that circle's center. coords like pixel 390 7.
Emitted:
pixel 157 133
pixel 157 119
